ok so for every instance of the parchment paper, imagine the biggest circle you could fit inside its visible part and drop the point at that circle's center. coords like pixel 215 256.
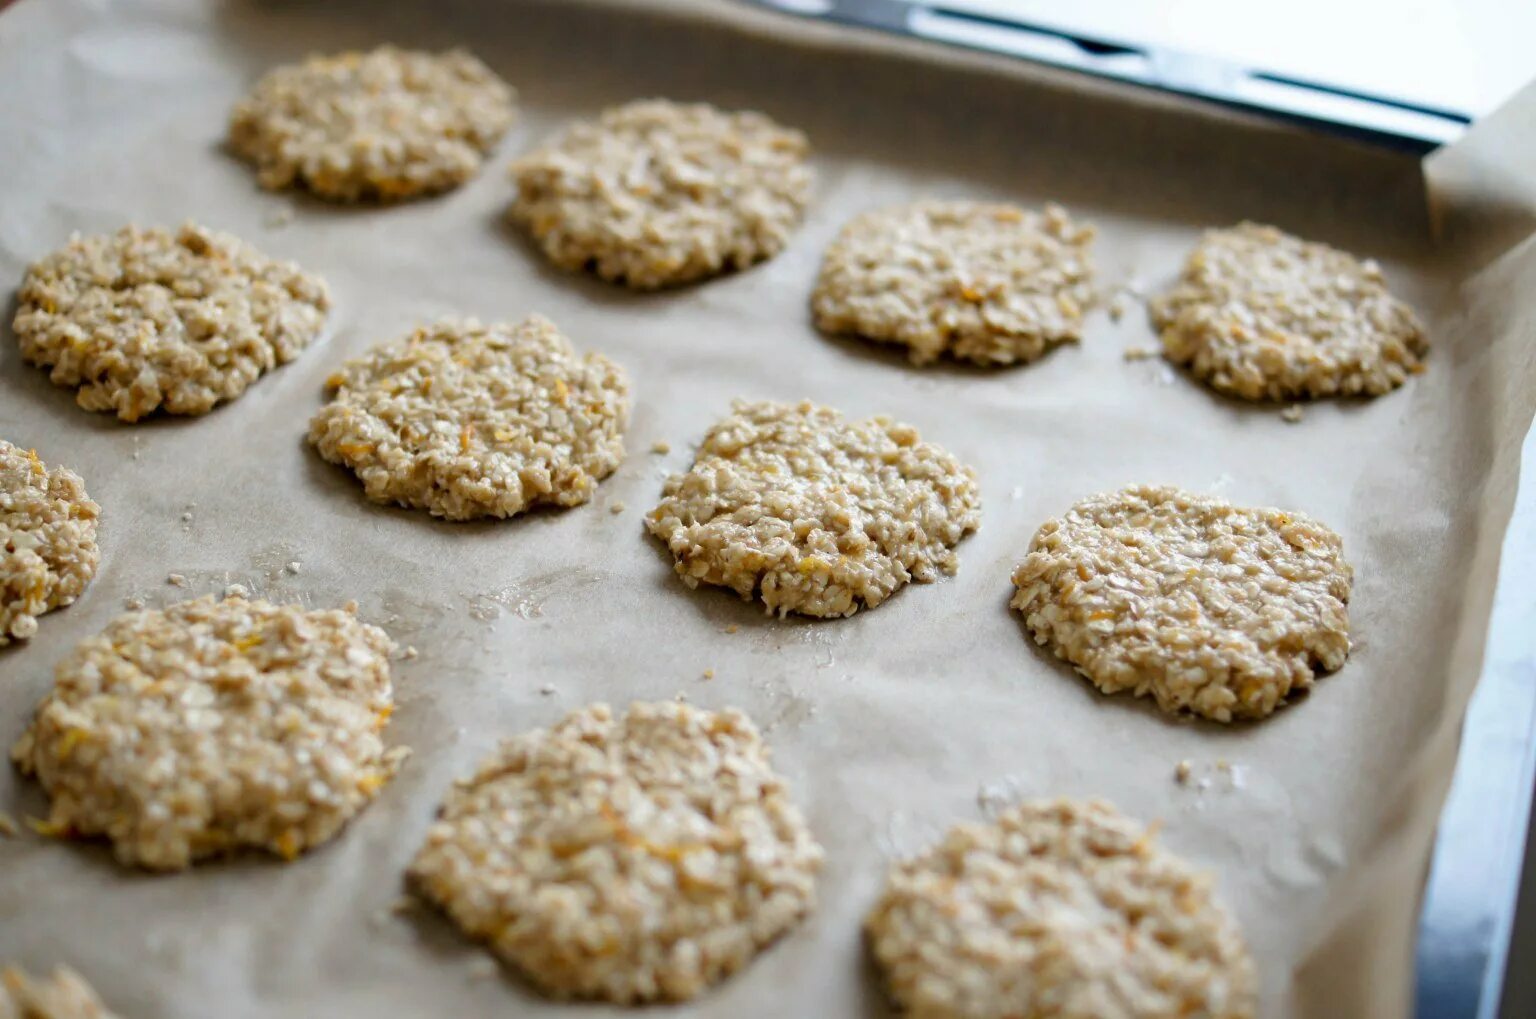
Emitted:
pixel 892 725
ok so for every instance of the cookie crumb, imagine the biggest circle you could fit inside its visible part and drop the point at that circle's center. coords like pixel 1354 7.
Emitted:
pixel 133 604
pixel 186 517
pixel 295 566
pixel 176 580
pixel 410 652
pixel 709 673
pixel 1137 353
pixel 616 508
pixel 1181 772
pixel 1117 308
pixel 278 219
pixel 660 448
pixel 1292 414
pixel 547 689
pixel 733 628
pixel 237 591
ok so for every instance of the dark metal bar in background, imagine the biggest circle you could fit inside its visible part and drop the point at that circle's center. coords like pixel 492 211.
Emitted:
pixel 1469 904
pixel 1379 118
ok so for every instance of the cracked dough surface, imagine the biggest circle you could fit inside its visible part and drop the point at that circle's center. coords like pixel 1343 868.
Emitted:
pixel 48 551
pixel 988 283
pixel 634 857
pixel 214 725
pixel 467 420
pixel 814 513
pixel 657 193
pixel 152 319
pixel 386 124
pixel 1262 315
pixel 1207 607
pixel 1057 908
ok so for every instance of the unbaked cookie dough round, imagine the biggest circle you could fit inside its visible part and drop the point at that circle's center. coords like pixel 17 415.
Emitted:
pixel 385 124
pixel 1262 315
pixel 467 420
pixel 1207 607
pixel 150 319
pixel 63 994
pixel 988 283
pixel 813 513
pixel 48 547
pixel 656 193
pixel 1057 908
pixel 214 725
pixel 634 858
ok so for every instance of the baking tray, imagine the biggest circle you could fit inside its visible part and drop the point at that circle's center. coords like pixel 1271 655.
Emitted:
pixel 1471 895
pixel 889 726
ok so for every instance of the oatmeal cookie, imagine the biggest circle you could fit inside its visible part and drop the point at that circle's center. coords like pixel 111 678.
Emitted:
pixel 63 994
pixel 214 725
pixel 991 284
pixel 48 550
pixel 152 319
pixel 634 858
pixel 657 193
pixel 1207 607
pixel 1261 315
pixel 386 124
pixel 814 513
pixel 1057 908
pixel 467 420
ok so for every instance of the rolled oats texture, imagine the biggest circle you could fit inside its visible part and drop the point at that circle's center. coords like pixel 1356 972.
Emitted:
pixel 152 319
pixel 635 857
pixel 214 725
pixel 989 283
pixel 1207 607
pixel 1057 908
pixel 386 124
pixel 656 193
pixel 63 994
pixel 1262 315
pixel 813 513
pixel 466 420
pixel 48 551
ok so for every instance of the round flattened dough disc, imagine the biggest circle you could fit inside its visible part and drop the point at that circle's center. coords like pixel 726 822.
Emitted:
pixel 151 319
pixel 656 193
pixel 48 551
pixel 1057 908
pixel 1261 315
pixel 1207 607
pixel 214 725
pixel 635 857
pixel 813 513
pixel 466 420
pixel 988 283
pixel 386 124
